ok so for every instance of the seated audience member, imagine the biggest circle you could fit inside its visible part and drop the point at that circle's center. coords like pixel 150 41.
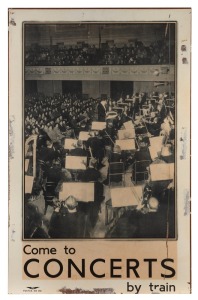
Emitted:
pixel 68 222
pixel 78 151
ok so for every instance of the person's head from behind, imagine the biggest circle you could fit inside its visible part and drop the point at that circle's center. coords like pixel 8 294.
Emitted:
pixel 142 142
pixel 71 203
pixel 117 149
pixel 79 144
pixel 49 143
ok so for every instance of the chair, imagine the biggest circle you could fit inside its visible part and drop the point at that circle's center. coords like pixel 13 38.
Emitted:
pixel 116 172
pixel 140 170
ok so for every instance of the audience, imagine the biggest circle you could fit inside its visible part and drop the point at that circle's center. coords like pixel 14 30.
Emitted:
pixel 130 54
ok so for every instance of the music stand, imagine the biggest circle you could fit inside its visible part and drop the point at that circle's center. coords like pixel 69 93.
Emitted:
pixel 156 144
pixel 28 184
pixel 160 172
pixel 128 125
pixel 126 144
pixel 123 132
pixel 69 144
pixel 126 196
pixel 84 135
pixel 98 125
pixel 76 162
pixel 27 160
pixel 82 191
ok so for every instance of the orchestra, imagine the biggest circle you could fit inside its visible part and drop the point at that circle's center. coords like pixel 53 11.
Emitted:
pixel 122 141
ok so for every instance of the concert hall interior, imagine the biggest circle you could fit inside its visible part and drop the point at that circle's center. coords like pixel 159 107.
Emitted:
pixel 99 134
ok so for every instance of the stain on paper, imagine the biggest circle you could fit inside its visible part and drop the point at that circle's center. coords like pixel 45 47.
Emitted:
pixel 186 202
pixel 12 22
pixel 65 290
pixel 184 60
pixel 183 143
pixel 11 137
pixel 13 233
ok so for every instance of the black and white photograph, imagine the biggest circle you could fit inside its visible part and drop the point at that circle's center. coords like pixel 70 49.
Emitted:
pixel 99 111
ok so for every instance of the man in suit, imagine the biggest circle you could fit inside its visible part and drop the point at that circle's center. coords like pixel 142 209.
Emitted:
pixel 102 111
pixel 142 159
pixel 91 173
pixel 96 143
pixel 69 222
pixel 92 208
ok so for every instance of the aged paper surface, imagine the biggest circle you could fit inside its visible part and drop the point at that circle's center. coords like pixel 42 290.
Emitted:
pixel 99 151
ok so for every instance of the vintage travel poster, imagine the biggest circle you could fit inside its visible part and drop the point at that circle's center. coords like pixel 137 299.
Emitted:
pixel 99 151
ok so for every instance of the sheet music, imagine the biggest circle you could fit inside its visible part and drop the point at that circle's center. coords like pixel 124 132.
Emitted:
pixel 124 134
pixel 125 196
pixel 98 125
pixel 82 191
pixel 69 144
pixel 26 164
pixel 129 125
pixel 76 162
pixel 28 184
pixel 156 144
pixel 126 144
pixel 84 135
pixel 162 172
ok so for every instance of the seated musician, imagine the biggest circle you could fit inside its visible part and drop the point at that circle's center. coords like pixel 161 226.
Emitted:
pixel 150 107
pixel 92 208
pixel 109 133
pixel 78 151
pixel 142 159
pixel 45 158
pixel 91 173
pixel 130 110
pixel 153 126
pixel 142 153
pixel 125 115
pixel 140 127
pixel 68 221
pixel 115 156
pixel 96 144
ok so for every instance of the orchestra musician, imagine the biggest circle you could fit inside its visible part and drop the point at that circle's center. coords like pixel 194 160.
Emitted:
pixel 78 151
pixel 91 173
pixel 96 144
